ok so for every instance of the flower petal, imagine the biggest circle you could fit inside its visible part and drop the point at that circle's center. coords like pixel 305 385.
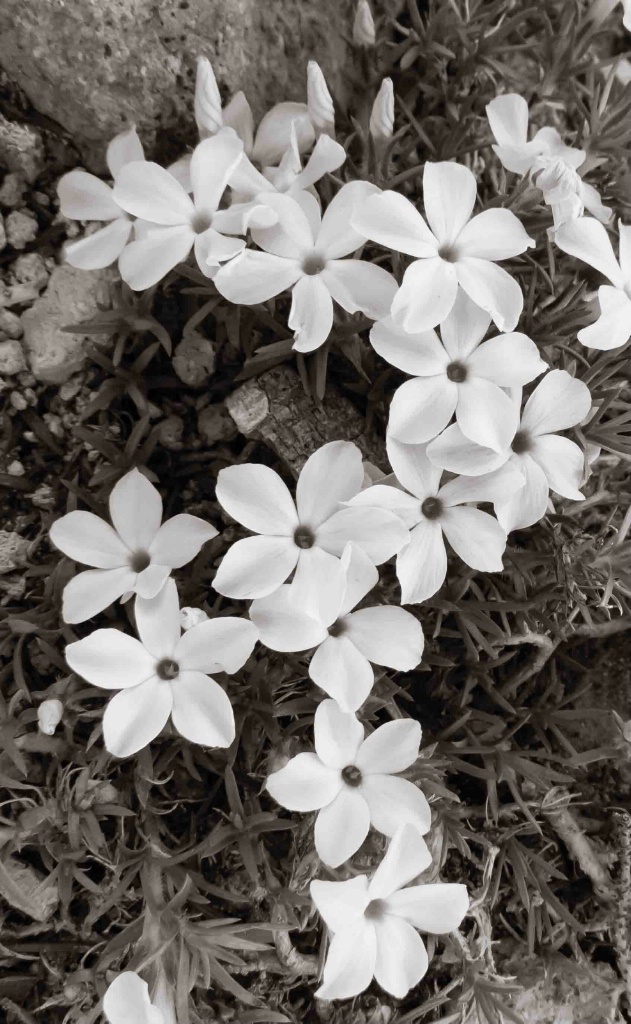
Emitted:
pixel 333 474
pixel 463 330
pixel 216 645
pixel 391 498
pixel 151 580
pixel 422 565
pixel 90 592
pixel 100 249
pixel 237 114
pixel 337 235
pixel 148 191
pixel 559 401
pixel 255 567
pixel 212 163
pixel 180 539
pixel 338 735
pixel 437 908
pixel 350 964
pixel 202 712
pixel 258 499
pixel 387 636
pixel 311 313
pixel 293 235
pixel 420 355
pixel 110 659
pixel 339 903
pixel 508 119
pixel 563 463
pixel 456 453
pixel 83 196
pixel 527 506
pixel 406 857
pixel 613 327
pixel 493 289
pixel 304 784
pixel 340 670
pixel 361 576
pixel 360 287
pixel 490 487
pixel 392 220
pixel 394 802
pixel 283 624
pixel 134 717
pixel 494 234
pixel 318 586
pixel 401 956
pixel 256 277
pixel 586 239
pixel 392 747
pixel 146 261
pixel 127 999
pixel 273 136
pixel 421 408
pixel 427 294
pixel 413 469
pixel 158 621
pixel 327 156
pixel 449 194
pixel 341 827
pixel 88 539
pixel 475 536
pixel 212 248
pixel 136 510
pixel 509 360
pixel 486 414
pixel 380 534
pixel 124 148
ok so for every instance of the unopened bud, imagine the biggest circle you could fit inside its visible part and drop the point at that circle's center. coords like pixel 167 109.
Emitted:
pixel 382 114
pixel 319 102
pixel 49 716
pixel 190 617
pixel 364 25
pixel 207 104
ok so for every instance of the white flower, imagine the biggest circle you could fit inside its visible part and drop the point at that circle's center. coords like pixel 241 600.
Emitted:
pixel 164 674
pixel 136 555
pixel 127 1000
pixel 308 536
pixel 83 196
pixel 373 922
pixel 319 102
pixel 49 716
pixel 587 240
pixel 551 164
pixel 459 249
pixel 352 782
pixel 545 460
pixel 431 511
pixel 179 222
pixel 458 375
pixel 302 252
pixel 190 617
pixel 297 617
pixel 363 25
pixel 381 125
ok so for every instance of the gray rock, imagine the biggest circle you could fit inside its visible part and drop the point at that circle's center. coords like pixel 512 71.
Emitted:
pixel 194 359
pixel 11 358
pixel 21 228
pixel 72 296
pixel 3 234
pixel 11 191
pixel 10 325
pixel 31 269
pixel 21 149
pixel 13 550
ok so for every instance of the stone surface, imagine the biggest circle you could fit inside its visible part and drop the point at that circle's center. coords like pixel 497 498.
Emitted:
pixel 21 228
pixel 72 296
pixel 21 149
pixel 11 358
pixel 194 359
pixel 13 549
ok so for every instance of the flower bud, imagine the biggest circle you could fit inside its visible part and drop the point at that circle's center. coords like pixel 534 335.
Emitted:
pixel 207 104
pixel 49 716
pixel 363 25
pixel 382 114
pixel 319 102
pixel 190 617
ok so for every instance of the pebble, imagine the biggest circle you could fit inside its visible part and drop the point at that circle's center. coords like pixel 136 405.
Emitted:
pixel 30 268
pixel 170 432
pixel 214 424
pixel 11 191
pixel 18 401
pixel 44 497
pixel 21 228
pixel 13 549
pixel 10 324
pixel 12 358
pixel 16 468
pixel 21 149
pixel 194 359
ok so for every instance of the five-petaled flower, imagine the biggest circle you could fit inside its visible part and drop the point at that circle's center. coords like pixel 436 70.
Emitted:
pixel 297 617
pixel 456 248
pixel 308 535
pixel 164 674
pixel 353 782
pixel 136 555
pixel 374 922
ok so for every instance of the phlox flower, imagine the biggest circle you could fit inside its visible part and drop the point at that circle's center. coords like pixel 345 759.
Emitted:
pixel 299 616
pixel 433 513
pixel 308 535
pixel 134 555
pixel 127 1001
pixel 164 674
pixel 551 164
pixel 180 223
pixel 457 374
pixel 545 460
pixel 83 196
pixel 381 124
pixel 303 252
pixel 352 782
pixel 587 240
pixel 364 33
pixel 456 249
pixel 319 101
pixel 373 921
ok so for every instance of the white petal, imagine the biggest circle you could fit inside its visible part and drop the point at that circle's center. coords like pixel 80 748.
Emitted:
pixel 318 586
pixel 145 262
pixel 377 532
pixel 391 498
pixel 293 236
pixel 464 328
pixel 420 355
pixel 437 908
pixel 237 218
pixel 304 784
pixel 256 277
pixel 490 487
pixel 338 903
pixel 100 249
pixel 406 857
pixel 422 565
pixel 387 636
pixel 283 624
pixel 340 670
pixel 83 196
pixel 136 510
pixel 237 114
pixel 392 747
pixel 212 163
pixel 216 645
pixel 509 360
pixel 274 132
pixel 201 711
pixel 493 289
pixel 360 287
pixel 89 539
pixel 246 181
pixel 475 536
pixel 258 499
pixel 456 453
pixel 494 235
pixel 624 247
pixel 151 580
pixel 421 408
pixel 148 191
pixel 341 827
pixel 559 401
pixel 110 659
pixel 563 463
pixel 350 964
pixel 337 235
pixel 427 294
pixel 134 717
pixel 587 240
pixel 401 956
pixel 180 539
pixel 449 194
pixel 327 156
pixel 90 592
pixel 361 576
pixel 518 159
pixel 255 567
pixel 311 314
pixel 158 621
pixel 508 119
pixel 394 802
pixel 485 414
pixel 181 171
pixel 124 148
pixel 527 506
pixel 338 735
pixel 613 327
pixel 391 219
pixel 126 1000
pixel 333 474
pixel 208 116
pixel 212 249
pixel 413 469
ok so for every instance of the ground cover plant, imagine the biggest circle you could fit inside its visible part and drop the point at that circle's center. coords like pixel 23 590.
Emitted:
pixel 316 742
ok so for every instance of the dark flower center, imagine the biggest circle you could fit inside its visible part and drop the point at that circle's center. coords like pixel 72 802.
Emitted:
pixel 352 775
pixel 167 669
pixel 432 508
pixel 337 628
pixel 304 537
pixel 448 253
pixel 140 560
pixel 313 265
pixel 201 222
pixel 521 442
pixel 457 372
pixel 375 909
